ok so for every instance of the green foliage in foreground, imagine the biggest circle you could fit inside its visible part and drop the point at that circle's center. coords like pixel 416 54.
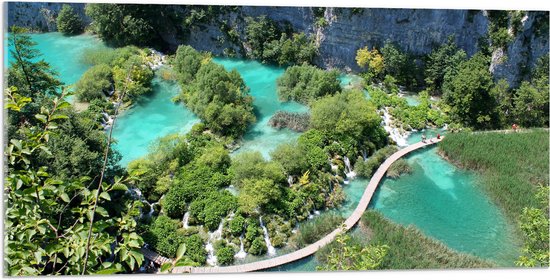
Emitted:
pixel 68 22
pixel 534 225
pixel 410 249
pixel 306 83
pixel 511 164
pixel 346 256
pixel 315 229
pixel 50 222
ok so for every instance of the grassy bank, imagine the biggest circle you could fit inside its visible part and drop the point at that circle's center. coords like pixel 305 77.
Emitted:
pixel 410 249
pixel 511 165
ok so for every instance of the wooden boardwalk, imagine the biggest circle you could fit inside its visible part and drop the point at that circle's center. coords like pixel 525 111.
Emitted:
pixel 311 249
pixel 154 256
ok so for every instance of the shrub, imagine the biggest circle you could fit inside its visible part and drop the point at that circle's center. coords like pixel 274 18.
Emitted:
pixel 258 247
pixel 164 237
pixel 225 255
pixel 305 83
pixel 68 22
pixel 236 226
pixel 367 168
pixel 95 83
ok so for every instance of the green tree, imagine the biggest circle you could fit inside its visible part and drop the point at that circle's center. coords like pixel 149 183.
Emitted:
pixel 441 62
pixel 133 76
pixel 348 116
pixel 68 22
pixel 220 98
pixel 225 255
pixel 186 63
pixel 469 96
pixel 259 32
pixel 32 76
pixel 305 83
pixel 127 24
pixel 95 83
pixel 290 50
pixel 256 194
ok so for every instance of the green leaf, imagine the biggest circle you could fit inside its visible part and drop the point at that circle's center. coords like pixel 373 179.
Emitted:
pixel 41 118
pixel 165 267
pixel 107 271
pixel 119 187
pixel 101 211
pixel 65 197
pixel 181 251
pixel 105 195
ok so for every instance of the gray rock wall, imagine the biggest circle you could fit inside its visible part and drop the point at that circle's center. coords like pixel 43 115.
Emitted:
pixel 40 16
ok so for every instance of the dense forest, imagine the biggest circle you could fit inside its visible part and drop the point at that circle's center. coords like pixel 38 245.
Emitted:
pixel 70 202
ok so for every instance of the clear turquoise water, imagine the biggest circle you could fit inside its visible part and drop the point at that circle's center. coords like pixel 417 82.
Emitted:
pixel 64 53
pixel 261 79
pixel 412 100
pixel 153 116
pixel 447 204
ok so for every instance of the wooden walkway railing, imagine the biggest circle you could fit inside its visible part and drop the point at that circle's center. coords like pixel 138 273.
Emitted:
pixel 311 249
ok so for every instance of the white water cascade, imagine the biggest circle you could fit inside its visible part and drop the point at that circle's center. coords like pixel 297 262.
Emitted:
pixel 270 249
pixel 211 259
pixel 290 180
pixel 185 220
pixel 241 254
pixel 350 174
pixel 399 138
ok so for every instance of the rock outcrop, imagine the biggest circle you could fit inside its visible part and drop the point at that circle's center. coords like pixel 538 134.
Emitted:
pixel 40 16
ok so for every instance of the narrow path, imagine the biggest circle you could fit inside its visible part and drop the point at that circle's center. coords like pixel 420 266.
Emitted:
pixel 311 249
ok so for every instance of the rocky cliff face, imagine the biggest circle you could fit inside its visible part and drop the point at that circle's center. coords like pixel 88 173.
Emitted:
pixel 345 30
pixel 40 16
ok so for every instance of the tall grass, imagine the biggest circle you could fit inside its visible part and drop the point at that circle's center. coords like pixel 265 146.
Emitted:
pixel 511 165
pixel 315 229
pixel 410 249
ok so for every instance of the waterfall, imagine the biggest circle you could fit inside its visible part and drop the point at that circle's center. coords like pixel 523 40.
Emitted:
pixel 364 153
pixel 241 254
pixel 399 138
pixel 290 180
pixel 270 249
pixel 350 174
pixel 186 220
pixel 211 259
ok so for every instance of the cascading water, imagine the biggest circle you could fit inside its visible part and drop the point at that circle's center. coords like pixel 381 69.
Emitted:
pixel 270 249
pixel 241 254
pixel 185 220
pixel 290 180
pixel 350 174
pixel 399 138
pixel 211 259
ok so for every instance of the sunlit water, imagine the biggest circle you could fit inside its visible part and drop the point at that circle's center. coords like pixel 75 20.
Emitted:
pixel 261 79
pixel 64 53
pixel 150 118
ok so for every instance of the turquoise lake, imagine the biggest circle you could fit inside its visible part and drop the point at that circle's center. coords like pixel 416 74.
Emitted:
pixel 444 202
